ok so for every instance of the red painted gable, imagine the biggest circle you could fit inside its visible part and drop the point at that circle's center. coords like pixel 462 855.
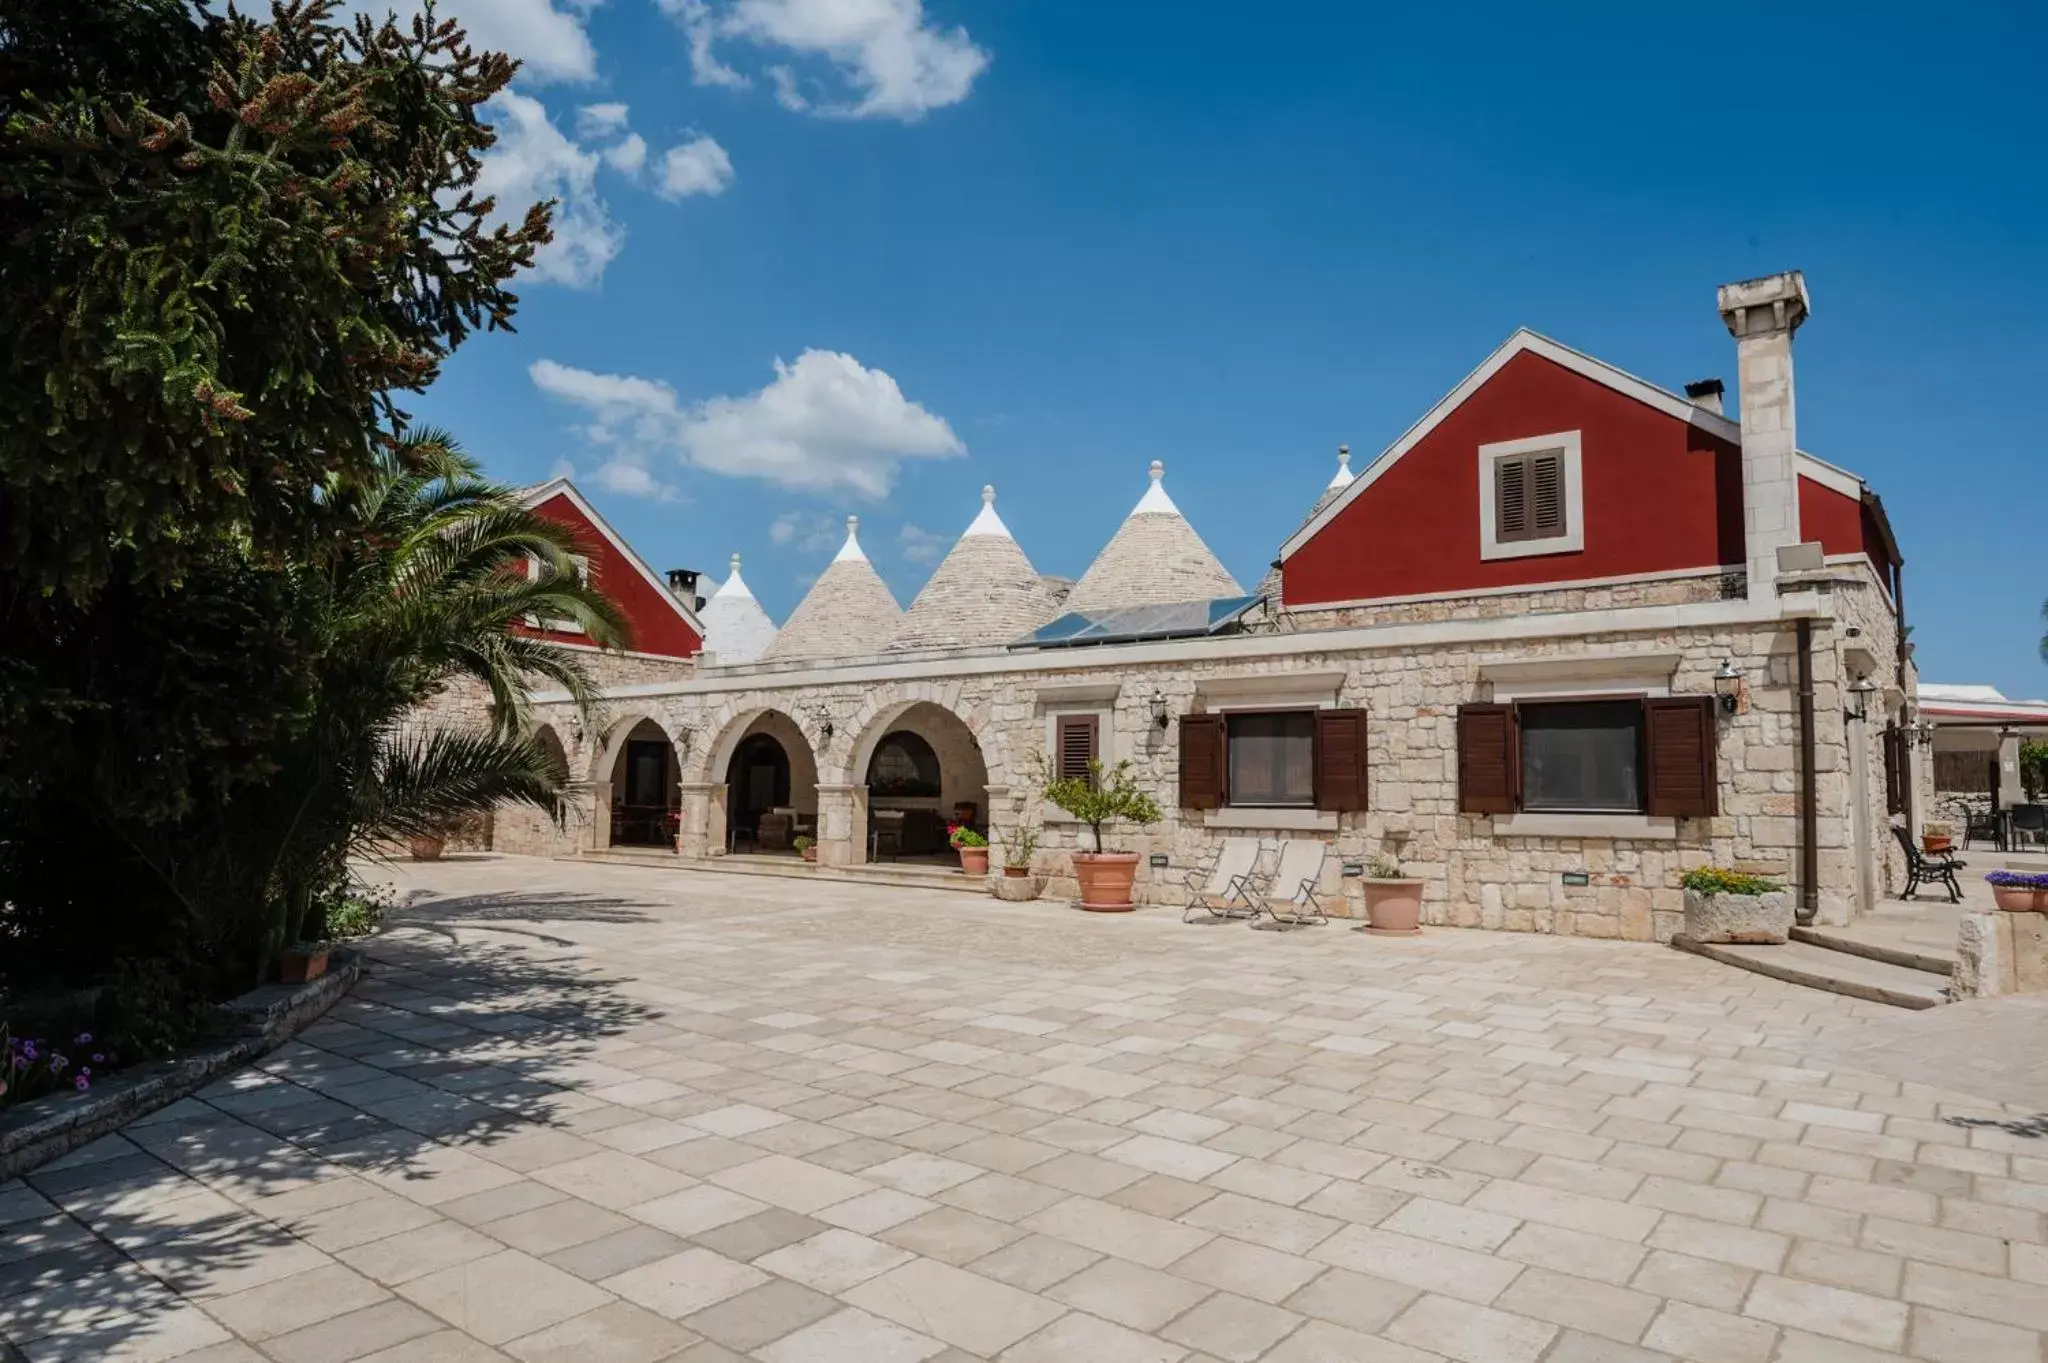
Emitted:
pixel 1841 523
pixel 657 627
pixel 1661 495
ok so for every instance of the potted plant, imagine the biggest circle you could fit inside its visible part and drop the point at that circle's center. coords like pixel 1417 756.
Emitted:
pixel 1105 796
pixel 805 848
pixel 1733 906
pixel 1393 899
pixel 1937 837
pixel 303 961
pixel 1019 845
pixel 427 846
pixel 972 847
pixel 2020 891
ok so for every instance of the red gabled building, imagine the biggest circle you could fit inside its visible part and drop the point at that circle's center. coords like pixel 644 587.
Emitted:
pixel 664 627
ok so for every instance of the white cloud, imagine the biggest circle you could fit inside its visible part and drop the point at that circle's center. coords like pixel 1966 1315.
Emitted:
pixel 627 156
pixel 699 166
pixel 548 38
pixel 810 532
pixel 827 423
pixel 597 121
pixel 533 161
pixel 890 61
pixel 629 479
pixel 920 546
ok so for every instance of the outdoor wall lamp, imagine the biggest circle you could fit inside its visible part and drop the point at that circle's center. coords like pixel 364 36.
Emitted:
pixel 1161 716
pixel 1728 685
pixel 1863 688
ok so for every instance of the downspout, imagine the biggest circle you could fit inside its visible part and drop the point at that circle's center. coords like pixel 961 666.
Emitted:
pixel 1809 797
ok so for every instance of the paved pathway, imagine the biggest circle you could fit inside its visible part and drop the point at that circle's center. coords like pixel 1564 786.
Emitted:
pixel 615 1116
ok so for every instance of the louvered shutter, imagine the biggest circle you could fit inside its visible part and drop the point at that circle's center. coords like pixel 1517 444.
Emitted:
pixel 1894 770
pixel 1546 496
pixel 1340 760
pixel 1202 772
pixel 1076 738
pixel 1488 759
pixel 1678 743
pixel 1511 499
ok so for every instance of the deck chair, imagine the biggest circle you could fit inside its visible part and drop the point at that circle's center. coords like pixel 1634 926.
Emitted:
pixel 1227 890
pixel 1922 869
pixel 1290 897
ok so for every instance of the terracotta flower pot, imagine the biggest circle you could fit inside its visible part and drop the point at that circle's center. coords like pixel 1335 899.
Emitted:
pixel 298 967
pixel 1106 879
pixel 1393 908
pixel 1017 872
pixel 973 860
pixel 2019 899
pixel 811 853
pixel 1936 842
pixel 427 848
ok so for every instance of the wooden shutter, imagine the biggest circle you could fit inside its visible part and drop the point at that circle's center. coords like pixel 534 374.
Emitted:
pixel 1681 780
pixel 1489 753
pixel 1511 499
pixel 1340 760
pixel 1546 496
pixel 1076 744
pixel 1894 770
pixel 1203 775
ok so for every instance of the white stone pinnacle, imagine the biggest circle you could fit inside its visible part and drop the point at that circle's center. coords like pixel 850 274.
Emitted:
pixel 1344 474
pixel 850 552
pixel 988 522
pixel 735 585
pixel 1155 502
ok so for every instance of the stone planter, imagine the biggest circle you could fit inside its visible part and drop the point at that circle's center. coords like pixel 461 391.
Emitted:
pixel 1765 918
pixel 1106 879
pixel 2019 899
pixel 973 860
pixel 1017 889
pixel 298 967
pixel 1393 908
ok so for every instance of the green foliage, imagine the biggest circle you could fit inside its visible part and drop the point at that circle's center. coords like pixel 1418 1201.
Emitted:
pixel 1716 880
pixel 1019 845
pixel 225 244
pixel 802 843
pixel 1383 866
pixel 960 835
pixel 1107 795
pixel 2034 767
pixel 358 913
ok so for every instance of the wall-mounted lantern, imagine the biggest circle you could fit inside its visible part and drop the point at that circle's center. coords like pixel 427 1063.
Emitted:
pixel 1863 688
pixel 1161 714
pixel 1728 685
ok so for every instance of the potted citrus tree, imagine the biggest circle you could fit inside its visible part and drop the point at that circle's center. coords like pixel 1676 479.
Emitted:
pixel 972 847
pixel 1393 899
pixel 1106 796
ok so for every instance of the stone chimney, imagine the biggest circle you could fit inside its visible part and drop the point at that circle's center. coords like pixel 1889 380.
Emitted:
pixel 1705 394
pixel 1762 314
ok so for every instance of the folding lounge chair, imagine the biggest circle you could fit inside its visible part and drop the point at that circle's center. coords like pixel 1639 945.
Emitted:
pixel 1290 899
pixel 1226 892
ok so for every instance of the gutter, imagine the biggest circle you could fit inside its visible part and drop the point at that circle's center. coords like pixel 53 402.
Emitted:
pixel 1808 908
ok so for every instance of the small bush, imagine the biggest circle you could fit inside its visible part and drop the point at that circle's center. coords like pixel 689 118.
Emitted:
pixel 960 835
pixel 1718 880
pixel 1381 866
pixel 358 913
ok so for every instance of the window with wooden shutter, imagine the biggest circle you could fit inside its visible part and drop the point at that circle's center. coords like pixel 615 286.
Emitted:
pixel 1895 768
pixel 1487 758
pixel 1076 743
pixel 1202 756
pixel 1340 760
pixel 1678 742
pixel 1528 497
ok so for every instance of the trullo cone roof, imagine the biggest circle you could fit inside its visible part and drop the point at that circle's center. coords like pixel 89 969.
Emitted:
pixel 984 592
pixel 1269 587
pixel 736 629
pixel 1154 559
pixel 847 612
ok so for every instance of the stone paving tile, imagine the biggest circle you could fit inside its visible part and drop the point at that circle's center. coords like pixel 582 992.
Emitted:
pixel 738 1119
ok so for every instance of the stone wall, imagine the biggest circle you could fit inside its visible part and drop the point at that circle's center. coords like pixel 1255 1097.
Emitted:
pixel 1475 876
pixel 1670 591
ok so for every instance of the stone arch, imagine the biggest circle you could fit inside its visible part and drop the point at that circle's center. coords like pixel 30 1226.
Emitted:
pixel 969 766
pixel 611 742
pixel 719 804
pixel 846 760
pixel 551 743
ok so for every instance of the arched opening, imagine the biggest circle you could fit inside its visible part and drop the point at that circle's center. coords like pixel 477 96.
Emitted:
pixel 924 771
pixel 551 744
pixel 519 827
pixel 647 800
pixel 772 787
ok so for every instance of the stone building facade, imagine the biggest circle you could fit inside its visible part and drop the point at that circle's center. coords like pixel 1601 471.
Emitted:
pixel 1545 604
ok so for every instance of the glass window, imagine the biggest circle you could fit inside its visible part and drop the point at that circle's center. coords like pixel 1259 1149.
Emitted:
pixel 904 765
pixel 1582 755
pixel 1272 758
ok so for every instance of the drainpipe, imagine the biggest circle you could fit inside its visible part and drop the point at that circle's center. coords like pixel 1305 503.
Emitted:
pixel 1809 797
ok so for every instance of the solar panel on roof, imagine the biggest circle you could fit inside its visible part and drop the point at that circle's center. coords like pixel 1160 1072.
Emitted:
pixel 1182 619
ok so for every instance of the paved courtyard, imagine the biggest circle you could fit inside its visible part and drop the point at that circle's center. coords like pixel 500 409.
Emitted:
pixel 613 1115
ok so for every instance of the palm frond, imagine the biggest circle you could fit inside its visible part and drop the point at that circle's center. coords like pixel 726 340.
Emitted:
pixel 420 784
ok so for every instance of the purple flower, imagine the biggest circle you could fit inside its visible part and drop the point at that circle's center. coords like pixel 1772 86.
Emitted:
pixel 57 1062
pixel 82 1039
pixel 2019 880
pixel 28 1049
pixel 81 1083
pixel 97 1058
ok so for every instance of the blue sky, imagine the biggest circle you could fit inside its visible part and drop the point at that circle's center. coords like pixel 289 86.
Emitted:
pixel 867 255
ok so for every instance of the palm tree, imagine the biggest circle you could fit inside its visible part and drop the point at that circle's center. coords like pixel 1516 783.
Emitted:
pixel 438 569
